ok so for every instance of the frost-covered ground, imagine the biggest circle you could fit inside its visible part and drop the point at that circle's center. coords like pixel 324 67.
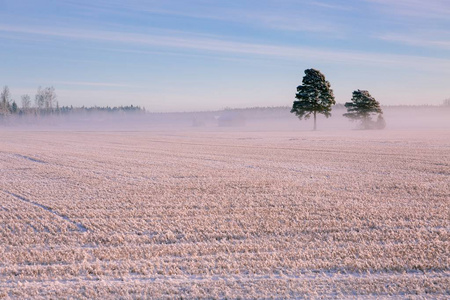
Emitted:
pixel 221 213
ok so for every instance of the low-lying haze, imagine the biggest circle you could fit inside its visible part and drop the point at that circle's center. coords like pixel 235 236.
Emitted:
pixel 250 119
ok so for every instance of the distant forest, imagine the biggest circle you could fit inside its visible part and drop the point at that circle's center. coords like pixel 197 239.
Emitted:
pixel 45 106
pixel 45 103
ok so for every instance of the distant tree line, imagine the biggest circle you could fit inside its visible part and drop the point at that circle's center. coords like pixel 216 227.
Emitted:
pixel 108 109
pixel 45 103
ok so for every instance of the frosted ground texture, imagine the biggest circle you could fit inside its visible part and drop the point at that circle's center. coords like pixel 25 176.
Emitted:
pixel 225 214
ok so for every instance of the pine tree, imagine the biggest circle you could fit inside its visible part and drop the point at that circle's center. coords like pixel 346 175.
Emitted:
pixel 362 107
pixel 14 107
pixel 314 96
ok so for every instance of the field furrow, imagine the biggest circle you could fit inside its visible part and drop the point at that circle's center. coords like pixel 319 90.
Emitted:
pixel 225 214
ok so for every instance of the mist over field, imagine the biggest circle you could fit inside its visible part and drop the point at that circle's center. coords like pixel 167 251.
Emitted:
pixel 247 119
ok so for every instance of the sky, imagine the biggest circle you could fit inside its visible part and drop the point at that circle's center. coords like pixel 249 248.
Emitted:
pixel 181 55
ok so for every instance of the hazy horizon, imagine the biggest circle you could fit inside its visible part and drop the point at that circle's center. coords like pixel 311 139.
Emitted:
pixel 256 119
pixel 178 56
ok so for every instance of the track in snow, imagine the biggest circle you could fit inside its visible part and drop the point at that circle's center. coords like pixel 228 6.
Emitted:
pixel 80 226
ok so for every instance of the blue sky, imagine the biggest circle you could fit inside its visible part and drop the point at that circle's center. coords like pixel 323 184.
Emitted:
pixel 201 55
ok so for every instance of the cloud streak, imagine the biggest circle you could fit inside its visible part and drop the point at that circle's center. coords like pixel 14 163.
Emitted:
pixel 331 6
pixel 416 41
pixel 95 84
pixel 261 15
pixel 416 8
pixel 220 46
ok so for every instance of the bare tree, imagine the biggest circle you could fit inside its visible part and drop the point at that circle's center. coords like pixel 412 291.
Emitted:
pixel 5 98
pixel 45 99
pixel 39 99
pixel 50 98
pixel 26 103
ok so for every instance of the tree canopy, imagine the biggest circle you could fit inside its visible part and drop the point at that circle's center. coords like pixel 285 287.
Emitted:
pixel 362 107
pixel 314 96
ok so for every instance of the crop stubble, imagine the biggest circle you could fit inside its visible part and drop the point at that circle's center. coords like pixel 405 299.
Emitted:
pixel 224 214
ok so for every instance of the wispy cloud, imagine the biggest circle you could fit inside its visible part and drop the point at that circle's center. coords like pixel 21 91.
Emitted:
pixel 414 23
pixel 260 16
pixel 222 46
pixel 416 41
pixel 94 84
pixel 417 8
pixel 291 22
pixel 331 6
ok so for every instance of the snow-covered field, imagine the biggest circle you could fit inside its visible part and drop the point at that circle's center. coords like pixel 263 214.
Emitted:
pixel 252 214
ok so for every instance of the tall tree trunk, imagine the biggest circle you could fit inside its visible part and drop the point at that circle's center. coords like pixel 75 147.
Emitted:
pixel 315 121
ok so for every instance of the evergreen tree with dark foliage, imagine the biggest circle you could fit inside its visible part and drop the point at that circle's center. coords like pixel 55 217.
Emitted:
pixel 362 108
pixel 14 108
pixel 314 96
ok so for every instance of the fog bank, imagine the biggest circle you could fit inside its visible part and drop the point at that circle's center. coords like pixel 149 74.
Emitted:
pixel 249 119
